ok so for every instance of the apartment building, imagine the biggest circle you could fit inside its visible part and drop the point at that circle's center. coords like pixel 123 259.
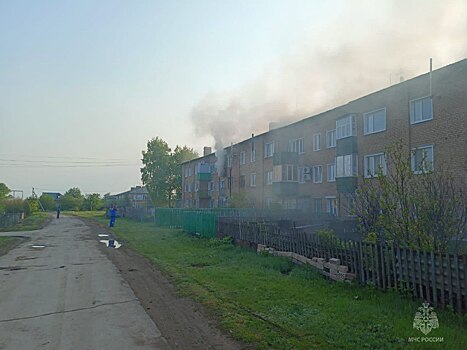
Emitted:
pixel 315 164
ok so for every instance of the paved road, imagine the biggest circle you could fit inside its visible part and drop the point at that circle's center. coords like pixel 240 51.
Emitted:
pixel 68 295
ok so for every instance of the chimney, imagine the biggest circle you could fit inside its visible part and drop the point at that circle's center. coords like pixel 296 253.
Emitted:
pixel 207 151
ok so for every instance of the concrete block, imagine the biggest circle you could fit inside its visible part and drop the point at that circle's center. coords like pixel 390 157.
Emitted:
pixel 335 261
pixel 350 276
pixel 343 268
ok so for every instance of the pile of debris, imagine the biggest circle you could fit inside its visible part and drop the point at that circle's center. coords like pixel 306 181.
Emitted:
pixel 332 268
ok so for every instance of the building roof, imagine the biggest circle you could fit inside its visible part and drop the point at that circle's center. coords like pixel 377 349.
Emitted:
pixel 394 86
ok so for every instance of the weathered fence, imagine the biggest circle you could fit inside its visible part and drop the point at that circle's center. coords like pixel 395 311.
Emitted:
pixel 7 220
pixel 440 279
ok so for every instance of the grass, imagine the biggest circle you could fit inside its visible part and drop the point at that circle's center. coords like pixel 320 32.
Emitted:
pixel 31 223
pixel 5 242
pixel 273 304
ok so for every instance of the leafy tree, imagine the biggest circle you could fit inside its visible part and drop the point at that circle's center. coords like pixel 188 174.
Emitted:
pixel 72 199
pixel 31 205
pixel 179 156
pixel 93 202
pixel 47 202
pixel 4 190
pixel 425 210
pixel 161 171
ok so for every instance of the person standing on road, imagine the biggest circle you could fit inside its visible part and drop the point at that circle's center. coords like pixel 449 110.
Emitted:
pixel 58 212
pixel 113 216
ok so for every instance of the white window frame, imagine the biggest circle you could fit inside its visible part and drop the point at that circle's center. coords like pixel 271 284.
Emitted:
pixel 371 116
pixel 269 150
pixel 269 177
pixel 412 116
pixel 253 153
pixel 333 172
pixel 242 158
pixel 317 142
pixel 317 170
pixel 431 163
pixel 189 171
pixel 333 139
pixel 294 173
pixel 253 180
pixel 346 127
pixel 347 159
pixel 369 164
pixel 297 145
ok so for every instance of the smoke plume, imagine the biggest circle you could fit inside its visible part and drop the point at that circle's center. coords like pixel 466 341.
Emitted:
pixel 363 51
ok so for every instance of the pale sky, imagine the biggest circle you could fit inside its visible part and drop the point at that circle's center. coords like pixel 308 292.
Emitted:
pixel 85 84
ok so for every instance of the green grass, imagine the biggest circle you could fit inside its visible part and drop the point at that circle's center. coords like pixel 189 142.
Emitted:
pixel 5 241
pixel 32 222
pixel 274 304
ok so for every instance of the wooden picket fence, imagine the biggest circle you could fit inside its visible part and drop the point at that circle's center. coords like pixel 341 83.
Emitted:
pixel 440 279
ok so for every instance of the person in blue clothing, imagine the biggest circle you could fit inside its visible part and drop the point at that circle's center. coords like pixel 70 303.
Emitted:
pixel 58 212
pixel 113 216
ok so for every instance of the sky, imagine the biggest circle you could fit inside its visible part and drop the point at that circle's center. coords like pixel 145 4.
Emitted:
pixel 84 85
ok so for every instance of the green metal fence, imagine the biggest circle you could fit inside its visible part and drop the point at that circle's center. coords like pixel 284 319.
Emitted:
pixel 199 222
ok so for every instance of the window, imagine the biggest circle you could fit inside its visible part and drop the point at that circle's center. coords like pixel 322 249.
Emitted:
pixel 318 205
pixel 269 177
pixel 421 110
pixel 331 206
pixel 374 121
pixel 189 171
pixel 253 152
pixel 229 161
pixel 346 127
pixel 268 202
pixel 253 180
pixel 317 174
pixel 316 142
pixel 196 186
pixel 222 184
pixel 375 163
pixel 331 172
pixel 292 173
pixel 297 146
pixel 331 138
pixel 268 150
pixel 422 159
pixel 346 165
pixel 242 158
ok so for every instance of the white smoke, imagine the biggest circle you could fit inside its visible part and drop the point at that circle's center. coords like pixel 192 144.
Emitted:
pixel 356 55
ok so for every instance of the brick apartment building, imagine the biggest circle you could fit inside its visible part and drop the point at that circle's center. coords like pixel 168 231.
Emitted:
pixel 315 163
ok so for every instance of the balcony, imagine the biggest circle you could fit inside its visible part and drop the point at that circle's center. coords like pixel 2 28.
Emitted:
pixel 281 158
pixel 346 184
pixel 285 189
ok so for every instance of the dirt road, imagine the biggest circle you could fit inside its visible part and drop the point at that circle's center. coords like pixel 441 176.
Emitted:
pixel 61 290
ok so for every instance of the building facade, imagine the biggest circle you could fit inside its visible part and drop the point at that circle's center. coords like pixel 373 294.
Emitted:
pixel 316 164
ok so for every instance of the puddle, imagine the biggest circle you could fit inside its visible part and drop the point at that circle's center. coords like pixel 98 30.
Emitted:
pixel 38 246
pixel 12 268
pixel 103 235
pixel 111 243
pixel 26 258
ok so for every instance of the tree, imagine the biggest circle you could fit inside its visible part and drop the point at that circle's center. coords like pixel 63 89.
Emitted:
pixel 161 171
pixel 4 190
pixel 47 202
pixel 93 202
pixel 424 210
pixel 72 199
pixel 179 156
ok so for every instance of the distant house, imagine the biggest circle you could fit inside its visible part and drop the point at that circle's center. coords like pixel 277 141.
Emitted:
pixel 138 197
pixel 135 202
pixel 55 195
